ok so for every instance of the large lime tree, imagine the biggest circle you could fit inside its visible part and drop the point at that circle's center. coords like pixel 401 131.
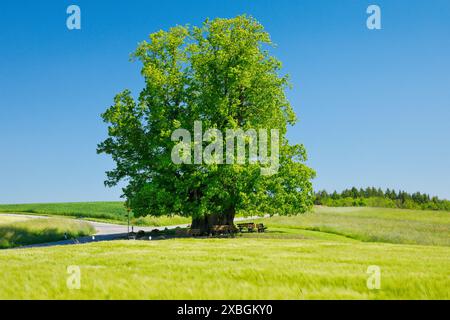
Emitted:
pixel 222 76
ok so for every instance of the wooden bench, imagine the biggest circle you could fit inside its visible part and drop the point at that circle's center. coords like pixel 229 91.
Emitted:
pixel 251 227
pixel 261 227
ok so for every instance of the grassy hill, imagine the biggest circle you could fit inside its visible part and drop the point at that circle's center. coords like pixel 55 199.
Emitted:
pixel 321 255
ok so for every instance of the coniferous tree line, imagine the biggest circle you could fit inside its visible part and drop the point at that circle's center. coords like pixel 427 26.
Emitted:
pixel 376 197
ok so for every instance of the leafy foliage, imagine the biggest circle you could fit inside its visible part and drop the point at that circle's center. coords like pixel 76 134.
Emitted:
pixel 222 74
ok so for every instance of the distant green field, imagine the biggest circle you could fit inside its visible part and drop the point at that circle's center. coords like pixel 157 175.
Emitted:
pixel 98 210
pixel 15 231
pixel 113 212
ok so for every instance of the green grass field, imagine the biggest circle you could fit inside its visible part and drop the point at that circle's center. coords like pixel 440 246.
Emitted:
pixel 373 224
pixel 17 231
pixel 321 255
pixel 227 269
pixel 96 210
pixel 112 212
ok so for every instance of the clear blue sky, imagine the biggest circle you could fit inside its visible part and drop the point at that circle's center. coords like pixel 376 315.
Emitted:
pixel 374 106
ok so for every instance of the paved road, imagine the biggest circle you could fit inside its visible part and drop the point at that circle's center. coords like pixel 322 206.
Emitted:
pixel 104 231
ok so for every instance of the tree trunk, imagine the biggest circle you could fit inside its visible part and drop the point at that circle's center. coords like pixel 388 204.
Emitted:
pixel 205 223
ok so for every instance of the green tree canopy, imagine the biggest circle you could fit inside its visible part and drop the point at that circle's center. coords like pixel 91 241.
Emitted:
pixel 222 75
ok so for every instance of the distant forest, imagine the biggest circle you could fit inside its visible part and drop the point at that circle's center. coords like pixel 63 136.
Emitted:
pixel 376 197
